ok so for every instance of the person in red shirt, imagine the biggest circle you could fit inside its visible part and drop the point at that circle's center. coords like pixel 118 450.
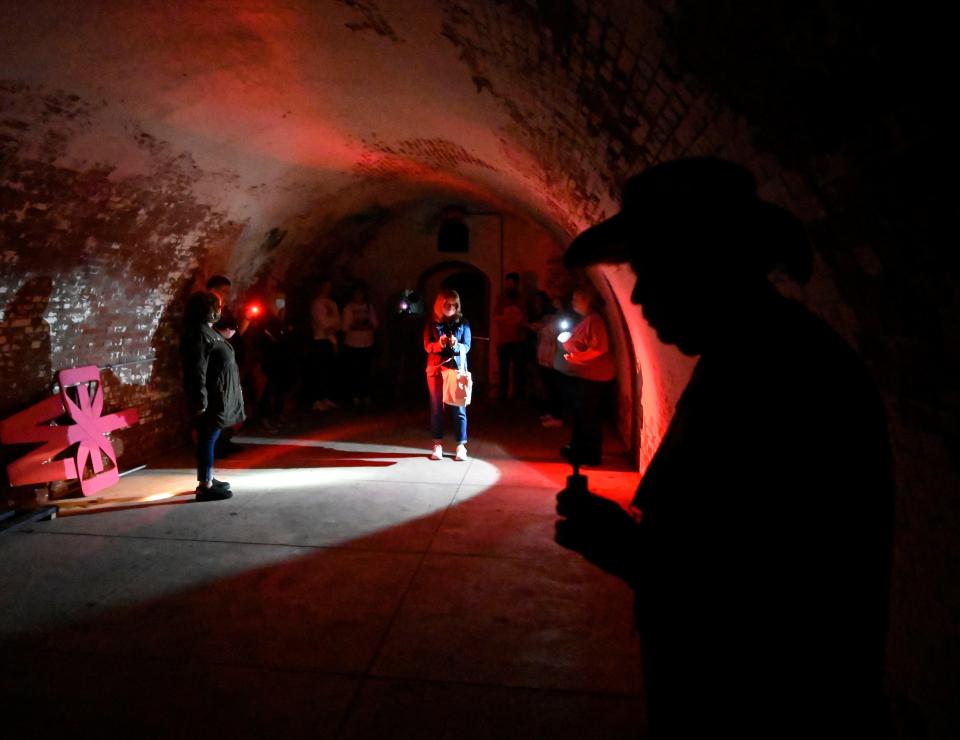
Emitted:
pixel 588 365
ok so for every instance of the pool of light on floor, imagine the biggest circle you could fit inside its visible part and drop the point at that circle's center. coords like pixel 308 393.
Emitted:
pixel 351 462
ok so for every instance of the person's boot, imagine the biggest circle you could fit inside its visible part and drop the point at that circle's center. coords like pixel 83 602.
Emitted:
pixel 213 493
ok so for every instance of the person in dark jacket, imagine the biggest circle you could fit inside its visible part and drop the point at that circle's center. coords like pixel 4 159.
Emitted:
pixel 761 538
pixel 211 382
pixel 446 339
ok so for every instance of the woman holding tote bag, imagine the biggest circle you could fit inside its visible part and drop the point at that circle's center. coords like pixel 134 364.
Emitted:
pixel 446 339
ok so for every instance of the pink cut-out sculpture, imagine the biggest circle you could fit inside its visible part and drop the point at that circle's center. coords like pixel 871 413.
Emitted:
pixel 37 425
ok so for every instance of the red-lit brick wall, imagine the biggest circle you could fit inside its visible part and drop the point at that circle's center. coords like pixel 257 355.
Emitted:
pixel 93 266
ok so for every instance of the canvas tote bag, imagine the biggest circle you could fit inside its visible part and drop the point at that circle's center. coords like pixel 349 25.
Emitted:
pixel 457 384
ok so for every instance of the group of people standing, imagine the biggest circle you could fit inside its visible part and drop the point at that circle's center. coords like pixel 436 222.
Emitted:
pixel 351 334
pixel 227 378
pixel 234 368
pixel 575 362
pixel 338 344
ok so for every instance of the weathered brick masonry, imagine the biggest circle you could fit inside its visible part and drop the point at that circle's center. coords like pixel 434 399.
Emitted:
pixel 92 265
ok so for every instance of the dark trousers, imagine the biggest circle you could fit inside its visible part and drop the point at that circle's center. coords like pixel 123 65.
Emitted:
pixel 206 442
pixel 551 381
pixel 585 400
pixel 435 387
pixel 322 359
pixel 274 393
pixel 358 361
pixel 512 354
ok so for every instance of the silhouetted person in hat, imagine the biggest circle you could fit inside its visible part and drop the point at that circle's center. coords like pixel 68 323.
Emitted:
pixel 760 537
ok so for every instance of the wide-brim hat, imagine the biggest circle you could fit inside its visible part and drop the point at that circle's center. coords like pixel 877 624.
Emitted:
pixel 712 203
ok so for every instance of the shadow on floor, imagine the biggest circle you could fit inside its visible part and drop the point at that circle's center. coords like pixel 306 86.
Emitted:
pixel 483 628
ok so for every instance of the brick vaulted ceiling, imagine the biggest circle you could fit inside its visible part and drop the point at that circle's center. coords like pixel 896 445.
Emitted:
pixel 247 116
pixel 153 139
pixel 287 114
pixel 156 140
pixel 235 118
pixel 161 139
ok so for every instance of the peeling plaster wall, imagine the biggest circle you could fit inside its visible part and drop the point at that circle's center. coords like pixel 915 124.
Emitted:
pixel 94 255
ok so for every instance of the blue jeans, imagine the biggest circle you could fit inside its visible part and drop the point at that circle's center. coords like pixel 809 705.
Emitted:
pixel 206 441
pixel 435 386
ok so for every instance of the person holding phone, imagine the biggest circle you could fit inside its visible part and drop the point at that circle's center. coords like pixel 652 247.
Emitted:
pixel 446 339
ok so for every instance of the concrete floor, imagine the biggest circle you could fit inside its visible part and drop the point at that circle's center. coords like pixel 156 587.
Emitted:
pixel 352 588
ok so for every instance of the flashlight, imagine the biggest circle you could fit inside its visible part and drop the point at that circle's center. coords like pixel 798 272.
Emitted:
pixel 253 310
pixel 564 324
pixel 404 305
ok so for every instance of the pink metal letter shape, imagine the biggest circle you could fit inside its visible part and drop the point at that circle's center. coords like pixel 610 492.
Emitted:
pixel 87 432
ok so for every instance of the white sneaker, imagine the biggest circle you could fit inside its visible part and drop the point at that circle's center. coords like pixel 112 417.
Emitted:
pixel 437 453
pixel 461 453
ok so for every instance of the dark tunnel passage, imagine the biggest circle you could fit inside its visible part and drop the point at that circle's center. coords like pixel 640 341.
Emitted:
pixel 147 147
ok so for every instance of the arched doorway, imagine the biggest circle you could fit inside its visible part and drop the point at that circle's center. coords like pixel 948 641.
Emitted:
pixel 473 285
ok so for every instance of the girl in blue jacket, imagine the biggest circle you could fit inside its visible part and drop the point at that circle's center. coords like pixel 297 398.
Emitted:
pixel 445 334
